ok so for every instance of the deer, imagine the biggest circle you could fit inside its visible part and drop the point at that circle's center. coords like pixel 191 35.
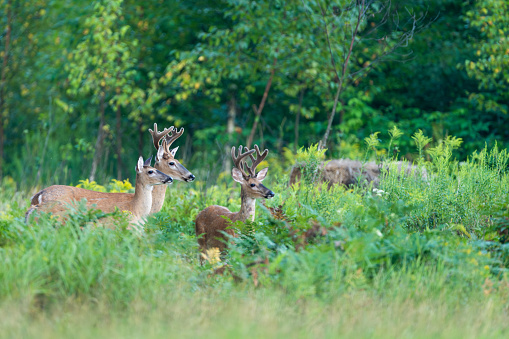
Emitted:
pixel 212 223
pixel 165 162
pixel 55 199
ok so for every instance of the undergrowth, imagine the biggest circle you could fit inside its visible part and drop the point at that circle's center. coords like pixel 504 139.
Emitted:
pixel 438 239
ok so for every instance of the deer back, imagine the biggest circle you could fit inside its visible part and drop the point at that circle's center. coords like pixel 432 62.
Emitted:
pixel 55 198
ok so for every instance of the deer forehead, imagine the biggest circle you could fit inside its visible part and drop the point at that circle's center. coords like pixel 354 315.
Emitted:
pixel 253 181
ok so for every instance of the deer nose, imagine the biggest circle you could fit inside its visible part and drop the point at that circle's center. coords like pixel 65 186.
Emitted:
pixel 191 177
pixel 168 181
pixel 270 195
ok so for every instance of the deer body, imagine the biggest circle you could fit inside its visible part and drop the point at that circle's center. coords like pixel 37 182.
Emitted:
pixel 55 198
pixel 214 220
pixel 211 222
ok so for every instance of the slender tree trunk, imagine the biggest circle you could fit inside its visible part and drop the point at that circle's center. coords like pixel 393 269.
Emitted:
pixel 342 113
pixel 323 142
pixel 2 83
pixel 100 138
pixel 297 122
pixel 230 128
pixel 258 111
pixel 120 164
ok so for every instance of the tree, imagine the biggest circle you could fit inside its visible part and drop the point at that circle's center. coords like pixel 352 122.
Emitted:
pixel 373 27
pixel 292 47
pixel 18 48
pixel 102 65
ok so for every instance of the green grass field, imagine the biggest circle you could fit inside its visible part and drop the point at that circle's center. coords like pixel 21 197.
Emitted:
pixel 424 259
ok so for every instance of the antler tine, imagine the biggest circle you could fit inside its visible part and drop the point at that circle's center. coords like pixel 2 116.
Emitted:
pixel 238 161
pixel 257 161
pixel 157 136
pixel 170 138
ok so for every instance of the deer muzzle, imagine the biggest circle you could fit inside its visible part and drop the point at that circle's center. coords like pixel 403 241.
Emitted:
pixel 269 195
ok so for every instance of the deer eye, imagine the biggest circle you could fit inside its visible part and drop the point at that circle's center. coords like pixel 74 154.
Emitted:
pixel 150 172
pixel 253 185
pixel 172 163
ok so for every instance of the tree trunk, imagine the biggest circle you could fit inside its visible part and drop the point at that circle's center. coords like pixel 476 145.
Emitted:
pixel 100 139
pixel 120 164
pixel 2 83
pixel 297 122
pixel 230 128
pixel 258 111
pixel 323 142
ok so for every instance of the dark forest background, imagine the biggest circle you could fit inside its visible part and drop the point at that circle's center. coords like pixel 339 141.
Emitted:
pixel 82 81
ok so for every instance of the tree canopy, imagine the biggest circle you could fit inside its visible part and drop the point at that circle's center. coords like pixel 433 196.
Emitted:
pixel 81 82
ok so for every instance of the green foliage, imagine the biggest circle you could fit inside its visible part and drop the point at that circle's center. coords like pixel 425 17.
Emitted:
pixel 433 241
pixel 439 238
pixel 491 19
pixel 421 141
pixel 173 65
pixel 311 161
pixel 452 196
pixel 57 262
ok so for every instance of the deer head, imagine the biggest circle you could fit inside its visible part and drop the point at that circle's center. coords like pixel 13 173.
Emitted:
pixel 247 177
pixel 148 175
pixel 165 157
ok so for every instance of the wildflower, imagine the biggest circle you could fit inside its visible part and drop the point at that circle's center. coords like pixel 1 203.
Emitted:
pixel 212 255
pixel 378 192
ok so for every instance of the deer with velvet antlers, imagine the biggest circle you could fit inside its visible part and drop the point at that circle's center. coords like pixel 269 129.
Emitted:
pixel 55 198
pixel 213 222
pixel 166 163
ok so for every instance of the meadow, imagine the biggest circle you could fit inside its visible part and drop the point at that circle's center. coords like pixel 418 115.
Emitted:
pixel 415 258
pixel 410 255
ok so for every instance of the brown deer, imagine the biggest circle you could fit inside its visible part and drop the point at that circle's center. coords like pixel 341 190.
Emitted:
pixel 214 220
pixel 55 198
pixel 166 163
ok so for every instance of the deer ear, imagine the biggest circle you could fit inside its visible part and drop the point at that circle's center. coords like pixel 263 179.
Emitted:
pixel 139 165
pixel 261 175
pixel 160 153
pixel 173 151
pixel 237 175
pixel 148 161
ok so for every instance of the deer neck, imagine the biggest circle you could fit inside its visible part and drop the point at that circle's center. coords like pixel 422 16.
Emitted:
pixel 247 207
pixel 158 195
pixel 142 200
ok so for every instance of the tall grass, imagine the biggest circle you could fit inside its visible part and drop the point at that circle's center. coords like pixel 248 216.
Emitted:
pixel 421 258
pixel 454 196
